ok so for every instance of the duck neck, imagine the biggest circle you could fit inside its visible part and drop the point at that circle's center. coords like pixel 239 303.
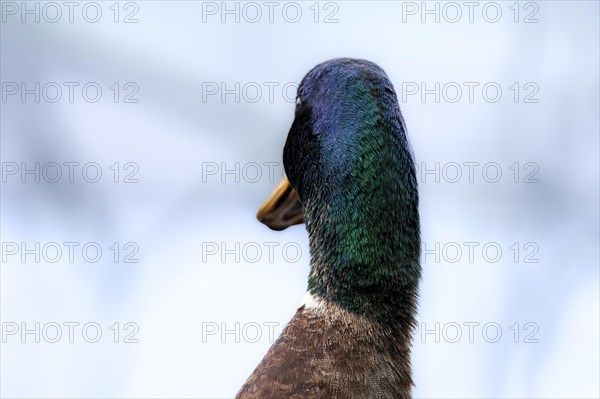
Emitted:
pixel 364 237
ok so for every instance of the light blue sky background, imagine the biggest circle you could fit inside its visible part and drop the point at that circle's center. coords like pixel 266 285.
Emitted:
pixel 177 130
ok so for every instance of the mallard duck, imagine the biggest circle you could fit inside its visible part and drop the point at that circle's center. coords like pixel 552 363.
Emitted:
pixel 351 179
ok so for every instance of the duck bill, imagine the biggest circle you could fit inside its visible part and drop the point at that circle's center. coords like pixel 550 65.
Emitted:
pixel 282 209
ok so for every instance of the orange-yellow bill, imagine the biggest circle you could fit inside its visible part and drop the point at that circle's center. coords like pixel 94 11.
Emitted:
pixel 282 209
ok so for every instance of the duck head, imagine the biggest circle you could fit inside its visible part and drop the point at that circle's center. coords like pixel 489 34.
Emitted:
pixel 351 179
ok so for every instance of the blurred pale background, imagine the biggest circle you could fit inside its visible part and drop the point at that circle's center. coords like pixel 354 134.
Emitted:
pixel 204 262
